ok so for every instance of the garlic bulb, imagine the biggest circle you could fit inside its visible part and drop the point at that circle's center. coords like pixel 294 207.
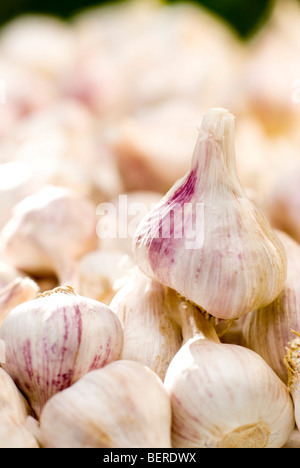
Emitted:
pixel 16 292
pixel 48 231
pixel 13 414
pixel 150 335
pixel 282 203
pixel 123 405
pixel 292 361
pixel 206 240
pixel 55 339
pixel 224 395
pixel 101 273
pixel 267 330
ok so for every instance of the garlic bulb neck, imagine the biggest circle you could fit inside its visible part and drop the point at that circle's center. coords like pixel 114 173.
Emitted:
pixel 65 289
pixel 196 323
pixel 219 125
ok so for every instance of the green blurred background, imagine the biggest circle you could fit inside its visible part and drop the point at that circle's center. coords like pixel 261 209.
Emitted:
pixel 245 16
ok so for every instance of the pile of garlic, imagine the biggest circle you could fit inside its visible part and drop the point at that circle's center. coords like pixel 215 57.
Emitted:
pixel 184 332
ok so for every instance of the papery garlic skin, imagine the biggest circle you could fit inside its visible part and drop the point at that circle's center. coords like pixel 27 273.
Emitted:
pixel 55 339
pixel 268 330
pixel 13 415
pixel 224 395
pixel 233 262
pixel 123 405
pixel 150 335
pixel 48 231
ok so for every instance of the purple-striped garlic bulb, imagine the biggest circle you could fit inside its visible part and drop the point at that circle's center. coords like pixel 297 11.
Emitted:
pixel 206 239
pixel 52 341
pixel 49 231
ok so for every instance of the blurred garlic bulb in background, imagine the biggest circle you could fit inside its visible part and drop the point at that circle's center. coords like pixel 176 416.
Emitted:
pixel 205 239
pixel 8 273
pixel 101 273
pixel 153 146
pixel 38 42
pixel 261 158
pixel 13 415
pixel 150 334
pixel 268 330
pixel 119 218
pixel 123 405
pixel 17 181
pixel 49 231
pixel 269 81
pixel 54 340
pixel 16 292
pixel 224 395
pixel 282 205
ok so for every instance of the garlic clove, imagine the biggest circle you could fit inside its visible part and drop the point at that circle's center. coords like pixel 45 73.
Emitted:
pixel 16 292
pixel 224 395
pixel 13 415
pixel 127 407
pixel 54 340
pixel 48 231
pixel 206 240
pixel 292 361
pixel 267 330
pixel 101 273
pixel 150 335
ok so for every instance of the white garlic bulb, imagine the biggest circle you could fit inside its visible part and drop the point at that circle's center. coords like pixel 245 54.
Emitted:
pixel 206 240
pixel 54 340
pixel 16 292
pixel 268 330
pixel 292 362
pixel 48 231
pixel 224 395
pixel 150 335
pixel 13 415
pixel 123 405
